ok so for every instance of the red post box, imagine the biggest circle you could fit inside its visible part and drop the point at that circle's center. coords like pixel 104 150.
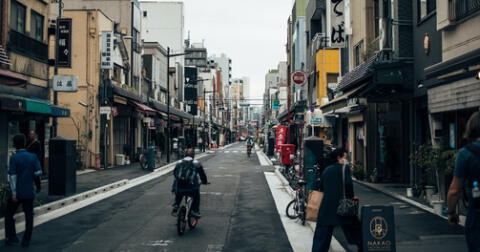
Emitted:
pixel 285 151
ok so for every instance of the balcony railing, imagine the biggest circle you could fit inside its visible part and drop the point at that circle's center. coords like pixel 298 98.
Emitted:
pixel 27 46
pixel 464 8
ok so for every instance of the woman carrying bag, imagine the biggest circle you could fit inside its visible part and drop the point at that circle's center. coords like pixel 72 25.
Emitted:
pixel 339 207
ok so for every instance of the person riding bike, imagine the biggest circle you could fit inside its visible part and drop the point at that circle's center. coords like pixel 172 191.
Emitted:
pixel 249 141
pixel 186 182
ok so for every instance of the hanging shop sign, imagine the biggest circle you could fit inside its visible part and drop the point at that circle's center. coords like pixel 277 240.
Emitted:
pixel 281 137
pixel 107 50
pixel 65 83
pixel 336 23
pixel 64 42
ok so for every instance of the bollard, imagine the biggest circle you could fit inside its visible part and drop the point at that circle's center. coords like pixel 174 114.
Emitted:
pixel 151 158
pixel 378 228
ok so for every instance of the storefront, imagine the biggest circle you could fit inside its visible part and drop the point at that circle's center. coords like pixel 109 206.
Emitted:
pixel 19 115
pixel 370 115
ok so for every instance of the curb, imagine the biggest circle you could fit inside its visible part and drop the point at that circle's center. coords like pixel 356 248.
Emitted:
pixel 51 207
pixel 404 199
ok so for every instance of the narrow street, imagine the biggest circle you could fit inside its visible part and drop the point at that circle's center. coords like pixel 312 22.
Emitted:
pixel 237 207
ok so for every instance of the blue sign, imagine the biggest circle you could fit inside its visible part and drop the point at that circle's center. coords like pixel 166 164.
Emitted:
pixel 316 120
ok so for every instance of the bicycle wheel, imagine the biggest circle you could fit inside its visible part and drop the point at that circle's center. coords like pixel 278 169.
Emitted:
pixel 181 223
pixel 292 209
pixel 192 222
pixel 143 161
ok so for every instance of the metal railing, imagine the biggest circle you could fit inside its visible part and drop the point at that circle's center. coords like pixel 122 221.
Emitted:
pixel 32 48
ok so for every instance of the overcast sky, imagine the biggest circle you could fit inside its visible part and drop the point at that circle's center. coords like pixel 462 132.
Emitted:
pixel 252 33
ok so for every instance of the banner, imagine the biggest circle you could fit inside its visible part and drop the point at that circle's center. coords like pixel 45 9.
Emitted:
pixel 281 137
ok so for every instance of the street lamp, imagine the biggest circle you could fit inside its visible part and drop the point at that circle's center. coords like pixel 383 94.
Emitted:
pixel 168 98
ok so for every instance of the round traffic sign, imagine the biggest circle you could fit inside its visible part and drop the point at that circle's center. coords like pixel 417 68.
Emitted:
pixel 299 77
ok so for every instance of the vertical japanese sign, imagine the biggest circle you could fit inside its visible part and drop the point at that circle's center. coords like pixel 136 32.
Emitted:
pixel 281 137
pixel 64 42
pixel 336 23
pixel 191 95
pixel 107 49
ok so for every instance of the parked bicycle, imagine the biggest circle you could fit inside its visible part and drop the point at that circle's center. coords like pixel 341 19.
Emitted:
pixel 142 158
pixel 297 207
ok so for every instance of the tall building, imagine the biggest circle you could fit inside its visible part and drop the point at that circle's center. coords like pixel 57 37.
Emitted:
pixel 164 22
pixel 127 15
pixel 196 56
pixel 24 73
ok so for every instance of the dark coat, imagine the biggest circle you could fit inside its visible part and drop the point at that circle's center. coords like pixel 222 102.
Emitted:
pixel 332 187
pixel 176 187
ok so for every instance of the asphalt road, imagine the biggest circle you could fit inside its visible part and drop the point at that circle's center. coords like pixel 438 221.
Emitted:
pixel 238 215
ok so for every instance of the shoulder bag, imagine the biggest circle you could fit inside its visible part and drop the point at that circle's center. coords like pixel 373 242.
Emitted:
pixel 346 207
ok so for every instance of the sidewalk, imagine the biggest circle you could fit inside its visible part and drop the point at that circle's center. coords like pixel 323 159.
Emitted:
pixel 417 229
pixel 91 179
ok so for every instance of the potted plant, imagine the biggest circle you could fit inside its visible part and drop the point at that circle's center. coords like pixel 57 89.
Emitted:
pixel 428 159
pixel 358 171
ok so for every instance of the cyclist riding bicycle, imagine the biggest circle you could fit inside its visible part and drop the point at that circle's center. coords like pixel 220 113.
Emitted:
pixel 187 173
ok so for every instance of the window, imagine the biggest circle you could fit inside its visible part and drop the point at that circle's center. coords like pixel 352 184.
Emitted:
pixel 358 52
pixel 376 15
pixel 425 7
pixel 36 26
pixel 17 17
pixel 144 13
pixel 464 8
pixel 136 41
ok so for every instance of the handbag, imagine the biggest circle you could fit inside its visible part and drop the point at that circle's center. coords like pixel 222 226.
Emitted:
pixel 346 207
pixel 313 205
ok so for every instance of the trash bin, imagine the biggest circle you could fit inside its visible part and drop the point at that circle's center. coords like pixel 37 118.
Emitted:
pixel 378 228
pixel 62 176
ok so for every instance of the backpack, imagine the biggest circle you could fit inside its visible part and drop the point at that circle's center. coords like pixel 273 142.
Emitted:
pixel 186 174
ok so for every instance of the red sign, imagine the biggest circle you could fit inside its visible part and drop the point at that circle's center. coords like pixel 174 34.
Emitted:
pixel 299 77
pixel 281 137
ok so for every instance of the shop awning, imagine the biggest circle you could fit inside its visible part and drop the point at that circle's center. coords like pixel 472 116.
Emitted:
pixel 30 105
pixel 142 108
pixel 341 102
pixel 160 107
pixel 10 78
pixel 357 75
pixel 38 106
pixel 60 112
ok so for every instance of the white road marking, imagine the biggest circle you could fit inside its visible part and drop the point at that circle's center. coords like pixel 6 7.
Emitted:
pixel 300 237
pixel 160 243
pixel 227 151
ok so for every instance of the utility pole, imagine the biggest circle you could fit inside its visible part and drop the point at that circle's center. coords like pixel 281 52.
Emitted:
pixel 55 68
pixel 168 104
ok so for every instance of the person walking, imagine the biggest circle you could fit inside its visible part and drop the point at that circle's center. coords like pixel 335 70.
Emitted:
pixel 467 174
pixel 333 186
pixel 35 147
pixel 23 169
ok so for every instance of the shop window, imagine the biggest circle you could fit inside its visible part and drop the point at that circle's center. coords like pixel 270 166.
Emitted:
pixel 425 7
pixel 17 16
pixel 36 26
